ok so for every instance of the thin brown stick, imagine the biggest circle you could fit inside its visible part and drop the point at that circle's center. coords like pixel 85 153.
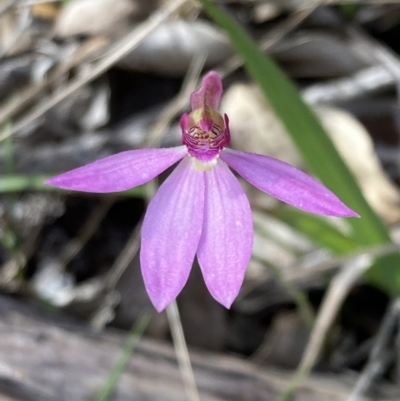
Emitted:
pixel 378 357
pixel 105 311
pixel 29 94
pixel 10 270
pixel 119 51
pixel 337 292
pixel 87 231
pixel 330 264
pixel 361 83
pixel 8 6
pixel 271 38
pixel 28 3
pixel 23 23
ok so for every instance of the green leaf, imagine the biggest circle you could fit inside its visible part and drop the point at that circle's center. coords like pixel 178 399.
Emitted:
pixel 318 230
pixel 20 182
pixel 16 183
pixel 317 149
pixel 112 380
pixel 349 10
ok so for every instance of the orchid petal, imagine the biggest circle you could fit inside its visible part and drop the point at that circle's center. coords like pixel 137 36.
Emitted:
pixel 171 233
pixel 119 172
pixel 209 94
pixel 286 183
pixel 227 238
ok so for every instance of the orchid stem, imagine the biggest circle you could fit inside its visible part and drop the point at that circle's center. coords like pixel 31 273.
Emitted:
pixel 182 353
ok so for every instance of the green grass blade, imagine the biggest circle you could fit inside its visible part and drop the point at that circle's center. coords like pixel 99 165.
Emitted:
pixel 133 338
pixel 19 182
pixel 317 149
pixel 318 230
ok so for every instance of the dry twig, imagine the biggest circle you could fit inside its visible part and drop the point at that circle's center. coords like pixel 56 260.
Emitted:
pixel 23 23
pixel 119 50
pixel 378 358
pixel 7 6
pixel 337 292
pixel 28 95
pixel 361 83
pixel 87 231
pixel 271 38
pixel 104 312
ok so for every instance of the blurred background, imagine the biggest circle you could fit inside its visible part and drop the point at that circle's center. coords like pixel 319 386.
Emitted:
pixel 318 316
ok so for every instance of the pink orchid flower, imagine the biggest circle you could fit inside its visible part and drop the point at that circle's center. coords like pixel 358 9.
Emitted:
pixel 201 208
